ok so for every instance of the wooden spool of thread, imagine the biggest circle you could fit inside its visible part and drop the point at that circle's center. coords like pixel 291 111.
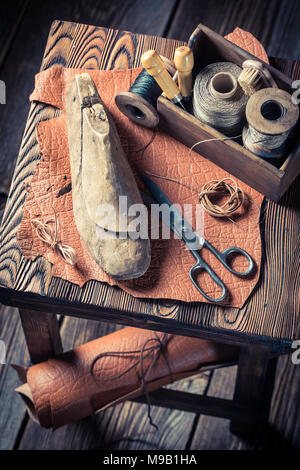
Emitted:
pixel 271 116
pixel 139 103
pixel 218 99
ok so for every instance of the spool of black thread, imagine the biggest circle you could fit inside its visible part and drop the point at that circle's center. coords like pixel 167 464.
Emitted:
pixel 139 103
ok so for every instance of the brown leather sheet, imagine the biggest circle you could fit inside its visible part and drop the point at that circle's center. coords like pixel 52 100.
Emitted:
pixel 168 275
pixel 62 390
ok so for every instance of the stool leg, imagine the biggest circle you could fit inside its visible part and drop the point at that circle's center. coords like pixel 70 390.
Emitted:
pixel 42 335
pixel 254 387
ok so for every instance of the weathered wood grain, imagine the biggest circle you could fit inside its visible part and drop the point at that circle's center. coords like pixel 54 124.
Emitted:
pixel 284 429
pixel 41 333
pixel 253 388
pixel 274 23
pixel 283 432
pixel 12 410
pixel 213 433
pixel 11 15
pixel 206 405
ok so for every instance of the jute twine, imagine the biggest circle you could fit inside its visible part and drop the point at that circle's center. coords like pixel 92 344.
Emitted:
pixel 46 234
pixel 226 187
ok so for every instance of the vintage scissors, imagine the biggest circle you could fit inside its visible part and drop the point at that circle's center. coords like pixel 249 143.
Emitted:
pixel 195 242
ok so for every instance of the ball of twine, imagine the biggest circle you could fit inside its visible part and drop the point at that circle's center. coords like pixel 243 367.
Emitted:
pixel 49 236
pixel 226 187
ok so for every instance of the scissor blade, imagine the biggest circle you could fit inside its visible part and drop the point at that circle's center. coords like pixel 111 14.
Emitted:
pixel 155 190
pixel 173 218
pixel 148 200
pixel 152 204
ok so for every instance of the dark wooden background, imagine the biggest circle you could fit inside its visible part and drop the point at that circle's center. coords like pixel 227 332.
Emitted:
pixel 24 27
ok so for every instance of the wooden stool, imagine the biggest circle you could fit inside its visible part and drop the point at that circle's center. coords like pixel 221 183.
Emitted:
pixel 264 327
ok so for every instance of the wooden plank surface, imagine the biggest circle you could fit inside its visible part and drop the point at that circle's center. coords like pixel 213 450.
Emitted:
pixel 274 23
pixel 42 334
pixel 11 15
pixel 283 431
pixel 213 433
pixel 12 410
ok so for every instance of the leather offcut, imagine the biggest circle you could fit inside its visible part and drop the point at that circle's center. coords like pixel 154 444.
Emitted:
pixel 62 390
pixel 168 274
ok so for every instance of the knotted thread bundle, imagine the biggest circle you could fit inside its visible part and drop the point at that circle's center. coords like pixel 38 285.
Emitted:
pixel 225 115
pixel 226 187
pixel 49 236
pixel 156 349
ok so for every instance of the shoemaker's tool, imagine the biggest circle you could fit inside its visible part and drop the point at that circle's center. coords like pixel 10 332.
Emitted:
pixel 155 66
pixel 271 116
pixel 101 174
pixel 194 242
pixel 139 103
pixel 255 76
pixel 184 63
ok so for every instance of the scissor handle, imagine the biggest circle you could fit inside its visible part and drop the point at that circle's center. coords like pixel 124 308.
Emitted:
pixel 223 255
pixel 201 265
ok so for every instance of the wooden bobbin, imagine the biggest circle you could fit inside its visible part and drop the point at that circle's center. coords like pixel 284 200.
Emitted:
pixel 271 116
pixel 137 108
pixel 271 111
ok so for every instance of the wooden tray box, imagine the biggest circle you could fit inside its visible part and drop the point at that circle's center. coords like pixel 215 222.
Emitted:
pixel 258 173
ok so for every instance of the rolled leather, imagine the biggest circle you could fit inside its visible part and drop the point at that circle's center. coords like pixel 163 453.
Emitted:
pixel 64 389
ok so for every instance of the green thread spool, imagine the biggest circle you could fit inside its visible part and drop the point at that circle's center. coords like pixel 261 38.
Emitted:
pixel 139 103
